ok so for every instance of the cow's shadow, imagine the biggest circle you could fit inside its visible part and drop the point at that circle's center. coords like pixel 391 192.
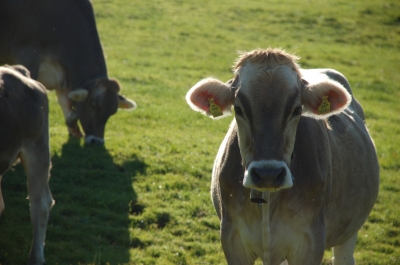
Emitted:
pixel 93 199
pixel 90 220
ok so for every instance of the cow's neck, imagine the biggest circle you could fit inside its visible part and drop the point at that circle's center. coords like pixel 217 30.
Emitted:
pixel 266 232
pixel 263 201
pixel 87 83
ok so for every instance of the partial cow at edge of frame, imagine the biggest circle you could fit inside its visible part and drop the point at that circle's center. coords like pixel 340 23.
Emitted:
pixel 24 136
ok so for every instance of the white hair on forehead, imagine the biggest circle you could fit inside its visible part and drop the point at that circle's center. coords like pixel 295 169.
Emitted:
pixel 268 58
pixel 249 65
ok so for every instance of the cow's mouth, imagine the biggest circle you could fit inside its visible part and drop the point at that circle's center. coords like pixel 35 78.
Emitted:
pixel 72 119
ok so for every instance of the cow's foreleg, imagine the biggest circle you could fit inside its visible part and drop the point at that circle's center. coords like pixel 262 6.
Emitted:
pixel 235 250
pixel 66 106
pixel 343 254
pixel 36 162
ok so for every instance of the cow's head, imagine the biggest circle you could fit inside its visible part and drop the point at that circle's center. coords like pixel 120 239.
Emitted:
pixel 94 104
pixel 269 95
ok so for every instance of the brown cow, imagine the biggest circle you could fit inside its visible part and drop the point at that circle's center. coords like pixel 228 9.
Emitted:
pixel 24 135
pixel 299 148
pixel 59 44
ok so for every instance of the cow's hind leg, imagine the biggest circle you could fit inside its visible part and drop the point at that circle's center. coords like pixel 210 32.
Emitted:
pixel 36 162
pixel 344 254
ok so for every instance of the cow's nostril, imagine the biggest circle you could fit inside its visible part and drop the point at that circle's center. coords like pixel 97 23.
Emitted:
pixel 265 176
pixel 280 178
pixel 256 176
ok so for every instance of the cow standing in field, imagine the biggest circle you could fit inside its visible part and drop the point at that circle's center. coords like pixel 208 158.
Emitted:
pixel 299 148
pixel 24 135
pixel 58 42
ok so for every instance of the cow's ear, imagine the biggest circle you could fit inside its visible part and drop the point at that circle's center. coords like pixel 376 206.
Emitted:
pixel 78 95
pixel 113 84
pixel 126 103
pixel 323 98
pixel 211 97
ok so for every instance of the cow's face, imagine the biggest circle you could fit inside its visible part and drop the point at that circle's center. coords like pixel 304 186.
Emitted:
pixel 269 99
pixel 95 105
pixel 267 110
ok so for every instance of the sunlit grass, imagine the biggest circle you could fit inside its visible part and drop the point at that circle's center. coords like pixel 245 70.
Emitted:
pixel 144 198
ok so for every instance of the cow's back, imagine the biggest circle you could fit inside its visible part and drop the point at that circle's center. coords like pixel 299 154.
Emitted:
pixel 23 114
pixel 62 32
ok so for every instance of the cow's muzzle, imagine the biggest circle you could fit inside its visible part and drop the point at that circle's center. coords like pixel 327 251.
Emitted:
pixel 72 119
pixel 268 175
pixel 91 139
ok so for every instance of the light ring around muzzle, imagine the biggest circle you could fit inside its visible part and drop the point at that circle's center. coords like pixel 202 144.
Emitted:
pixel 91 139
pixel 268 175
pixel 262 197
pixel 72 118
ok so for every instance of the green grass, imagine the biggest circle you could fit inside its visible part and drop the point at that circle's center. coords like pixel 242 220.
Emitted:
pixel 144 197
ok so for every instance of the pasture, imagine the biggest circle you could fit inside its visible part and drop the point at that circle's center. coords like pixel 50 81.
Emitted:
pixel 144 197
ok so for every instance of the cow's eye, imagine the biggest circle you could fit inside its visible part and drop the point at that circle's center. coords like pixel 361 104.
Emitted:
pixel 297 111
pixel 238 110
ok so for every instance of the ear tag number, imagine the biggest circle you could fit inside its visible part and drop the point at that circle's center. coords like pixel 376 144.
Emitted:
pixel 325 106
pixel 214 108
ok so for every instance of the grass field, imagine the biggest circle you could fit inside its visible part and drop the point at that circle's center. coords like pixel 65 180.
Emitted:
pixel 144 198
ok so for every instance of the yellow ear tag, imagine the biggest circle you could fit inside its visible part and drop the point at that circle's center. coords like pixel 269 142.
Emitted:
pixel 214 108
pixel 325 106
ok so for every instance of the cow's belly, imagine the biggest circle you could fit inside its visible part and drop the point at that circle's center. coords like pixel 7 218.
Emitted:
pixel 51 74
pixel 8 157
pixel 344 219
pixel 354 181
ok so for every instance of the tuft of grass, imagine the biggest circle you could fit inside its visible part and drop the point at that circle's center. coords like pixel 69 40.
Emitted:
pixel 144 197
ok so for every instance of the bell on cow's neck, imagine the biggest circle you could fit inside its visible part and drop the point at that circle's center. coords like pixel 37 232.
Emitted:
pixel 258 196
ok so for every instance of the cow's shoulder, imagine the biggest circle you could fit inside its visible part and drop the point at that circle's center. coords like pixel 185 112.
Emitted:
pixel 228 172
pixel 310 159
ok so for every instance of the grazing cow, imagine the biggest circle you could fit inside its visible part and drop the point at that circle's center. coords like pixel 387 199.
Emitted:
pixel 58 42
pixel 299 148
pixel 24 135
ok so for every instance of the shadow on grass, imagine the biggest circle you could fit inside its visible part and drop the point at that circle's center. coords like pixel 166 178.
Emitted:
pixel 89 223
